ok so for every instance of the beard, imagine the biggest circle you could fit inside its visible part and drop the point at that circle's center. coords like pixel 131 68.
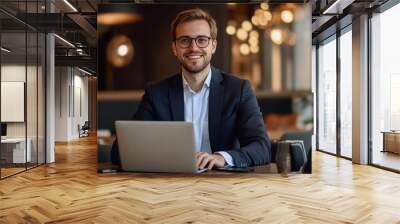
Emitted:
pixel 195 66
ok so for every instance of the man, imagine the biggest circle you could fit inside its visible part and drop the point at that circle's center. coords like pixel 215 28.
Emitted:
pixel 228 124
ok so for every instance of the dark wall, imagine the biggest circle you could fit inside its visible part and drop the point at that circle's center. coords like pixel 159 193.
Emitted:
pixel 110 111
pixel 153 59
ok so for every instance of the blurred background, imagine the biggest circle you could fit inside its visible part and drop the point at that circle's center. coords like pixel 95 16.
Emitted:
pixel 70 68
pixel 268 44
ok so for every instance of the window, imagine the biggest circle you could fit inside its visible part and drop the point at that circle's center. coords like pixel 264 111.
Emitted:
pixel 327 96
pixel 22 77
pixel 346 93
pixel 385 87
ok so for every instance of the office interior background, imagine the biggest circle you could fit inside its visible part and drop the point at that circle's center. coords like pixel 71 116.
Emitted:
pixel 272 54
pixel 65 76
pixel 38 107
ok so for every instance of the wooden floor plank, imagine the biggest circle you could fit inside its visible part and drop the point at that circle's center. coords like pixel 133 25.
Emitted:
pixel 71 191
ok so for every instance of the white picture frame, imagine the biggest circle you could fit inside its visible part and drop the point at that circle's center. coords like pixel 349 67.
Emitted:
pixel 12 101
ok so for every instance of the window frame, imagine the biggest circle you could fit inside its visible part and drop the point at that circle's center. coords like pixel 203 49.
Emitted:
pixel 347 27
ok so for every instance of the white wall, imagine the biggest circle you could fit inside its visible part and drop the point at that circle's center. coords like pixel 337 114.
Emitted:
pixel 13 72
pixel 71 93
pixel 62 80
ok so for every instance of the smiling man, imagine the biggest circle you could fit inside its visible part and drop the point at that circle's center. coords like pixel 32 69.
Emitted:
pixel 228 125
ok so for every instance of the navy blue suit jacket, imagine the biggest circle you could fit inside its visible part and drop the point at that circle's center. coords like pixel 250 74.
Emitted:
pixel 235 120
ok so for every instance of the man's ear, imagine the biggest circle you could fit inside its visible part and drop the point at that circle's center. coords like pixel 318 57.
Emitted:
pixel 173 46
pixel 214 46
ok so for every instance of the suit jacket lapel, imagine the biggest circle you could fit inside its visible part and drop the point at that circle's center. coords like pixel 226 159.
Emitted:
pixel 215 106
pixel 176 98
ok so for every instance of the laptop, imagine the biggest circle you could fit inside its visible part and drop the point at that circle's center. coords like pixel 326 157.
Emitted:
pixel 157 146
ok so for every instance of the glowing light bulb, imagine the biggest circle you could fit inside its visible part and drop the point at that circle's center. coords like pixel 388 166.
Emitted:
pixel 254 49
pixel 122 50
pixel 264 6
pixel 287 16
pixel 241 34
pixel 255 20
pixel 246 25
pixel 230 30
pixel 254 34
pixel 263 21
pixel 244 49
pixel 267 15
pixel 277 36
pixel 253 41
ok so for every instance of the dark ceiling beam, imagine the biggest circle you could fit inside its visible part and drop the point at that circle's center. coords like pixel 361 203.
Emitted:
pixel 16 18
pixel 332 29
pixel 84 24
pixel 320 22
pixel 324 17
pixel 49 22
pixel 58 22
pixel 91 5
pixel 79 61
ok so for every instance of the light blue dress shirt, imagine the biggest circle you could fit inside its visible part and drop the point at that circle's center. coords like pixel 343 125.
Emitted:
pixel 196 111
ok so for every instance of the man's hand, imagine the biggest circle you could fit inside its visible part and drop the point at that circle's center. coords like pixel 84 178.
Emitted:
pixel 205 160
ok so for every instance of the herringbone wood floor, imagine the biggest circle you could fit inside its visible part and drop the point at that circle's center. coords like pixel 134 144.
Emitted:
pixel 70 191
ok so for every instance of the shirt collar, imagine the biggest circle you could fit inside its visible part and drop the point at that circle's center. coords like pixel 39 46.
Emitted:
pixel 207 82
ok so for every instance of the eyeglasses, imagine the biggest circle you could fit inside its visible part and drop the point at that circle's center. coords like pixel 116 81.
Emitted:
pixel 201 41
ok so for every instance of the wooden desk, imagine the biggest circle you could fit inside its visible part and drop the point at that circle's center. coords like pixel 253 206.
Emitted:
pixel 265 169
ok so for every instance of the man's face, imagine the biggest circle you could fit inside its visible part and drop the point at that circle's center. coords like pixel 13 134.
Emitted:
pixel 193 58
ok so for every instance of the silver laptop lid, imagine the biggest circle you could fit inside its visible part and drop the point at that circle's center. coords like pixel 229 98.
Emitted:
pixel 152 146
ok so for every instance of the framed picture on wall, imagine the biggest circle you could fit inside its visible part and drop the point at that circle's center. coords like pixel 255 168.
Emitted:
pixel 12 101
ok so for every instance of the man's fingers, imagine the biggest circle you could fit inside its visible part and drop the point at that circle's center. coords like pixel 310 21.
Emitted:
pixel 198 154
pixel 219 160
pixel 204 161
pixel 211 164
pixel 199 158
